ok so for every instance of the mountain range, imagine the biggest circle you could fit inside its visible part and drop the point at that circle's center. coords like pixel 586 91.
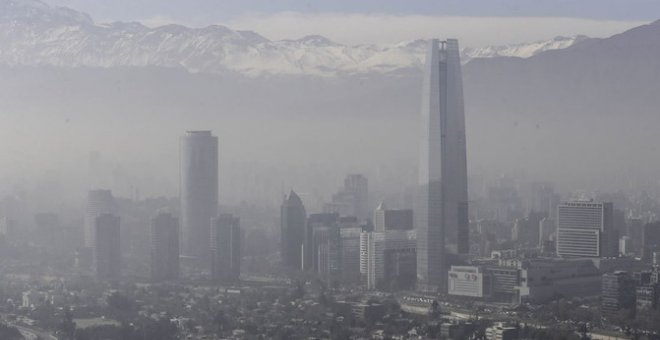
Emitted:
pixel 582 112
pixel 34 33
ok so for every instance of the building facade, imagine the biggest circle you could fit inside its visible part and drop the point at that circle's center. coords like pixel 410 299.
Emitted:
pixel 386 219
pixel 107 252
pixel 349 233
pixel 469 281
pixel 585 229
pixel 198 191
pixel 442 204
pixel 99 201
pixel 650 240
pixel 388 259
pixel 292 223
pixel 352 199
pixel 618 293
pixel 226 248
pixel 164 247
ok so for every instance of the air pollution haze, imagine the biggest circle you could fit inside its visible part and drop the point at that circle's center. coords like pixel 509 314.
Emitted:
pixel 272 154
pixel 126 91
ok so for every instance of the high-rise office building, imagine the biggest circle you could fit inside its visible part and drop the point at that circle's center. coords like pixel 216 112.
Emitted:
pixel 310 247
pixel 618 292
pixel 226 248
pixel 164 247
pixel 349 233
pixel 547 230
pixel 650 240
pixel 99 202
pixel 386 219
pixel 199 191
pixel 322 248
pixel 388 259
pixel 585 229
pixel 541 198
pixel 442 206
pixel 107 252
pixel 292 222
pixel 526 230
pixel 352 200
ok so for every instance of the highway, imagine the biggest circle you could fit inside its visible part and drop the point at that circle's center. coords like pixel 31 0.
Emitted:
pixel 33 334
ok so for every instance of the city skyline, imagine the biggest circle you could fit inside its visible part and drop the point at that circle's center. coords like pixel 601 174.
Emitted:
pixel 167 178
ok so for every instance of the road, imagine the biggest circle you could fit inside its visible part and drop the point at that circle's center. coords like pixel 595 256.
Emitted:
pixel 33 334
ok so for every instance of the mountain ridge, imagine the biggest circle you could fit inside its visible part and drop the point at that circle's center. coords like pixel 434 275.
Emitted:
pixel 34 33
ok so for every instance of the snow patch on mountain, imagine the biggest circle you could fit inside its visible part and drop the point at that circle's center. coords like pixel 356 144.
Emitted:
pixel 525 50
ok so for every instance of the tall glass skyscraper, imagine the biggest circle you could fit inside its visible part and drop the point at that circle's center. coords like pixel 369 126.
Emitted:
pixel 199 192
pixel 441 212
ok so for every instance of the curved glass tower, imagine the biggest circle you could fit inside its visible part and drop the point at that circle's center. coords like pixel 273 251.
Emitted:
pixel 442 206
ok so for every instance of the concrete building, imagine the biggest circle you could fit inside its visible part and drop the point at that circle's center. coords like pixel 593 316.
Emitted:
pixel 547 231
pixel 386 219
pixel 647 293
pixel 526 231
pixel 226 248
pixel 646 297
pixel 349 233
pixel 585 229
pixel 441 212
pixel 292 222
pixel 502 331
pixel 618 293
pixel 457 330
pixel 99 201
pixel 198 192
pixel 107 252
pixel 352 199
pixel 545 279
pixel 505 281
pixel 388 259
pixel 541 198
pixel 164 247
pixel 625 246
pixel 469 281
pixel 650 240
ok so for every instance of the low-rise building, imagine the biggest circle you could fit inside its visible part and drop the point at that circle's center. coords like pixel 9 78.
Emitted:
pixel 545 279
pixel 469 281
pixel 502 331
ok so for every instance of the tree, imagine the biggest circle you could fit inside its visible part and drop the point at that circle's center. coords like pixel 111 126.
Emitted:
pixel 220 320
pixel 10 333
pixel 434 310
pixel 67 326
pixel 583 331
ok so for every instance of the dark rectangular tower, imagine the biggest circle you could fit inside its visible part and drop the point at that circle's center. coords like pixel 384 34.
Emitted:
pixel 226 248
pixel 164 247
pixel 107 252
pixel 199 192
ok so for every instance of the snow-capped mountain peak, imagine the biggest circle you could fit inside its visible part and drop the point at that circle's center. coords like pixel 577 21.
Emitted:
pixel 34 33
pixel 524 50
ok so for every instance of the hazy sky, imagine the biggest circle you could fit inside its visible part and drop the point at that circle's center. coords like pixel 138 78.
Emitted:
pixel 475 22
